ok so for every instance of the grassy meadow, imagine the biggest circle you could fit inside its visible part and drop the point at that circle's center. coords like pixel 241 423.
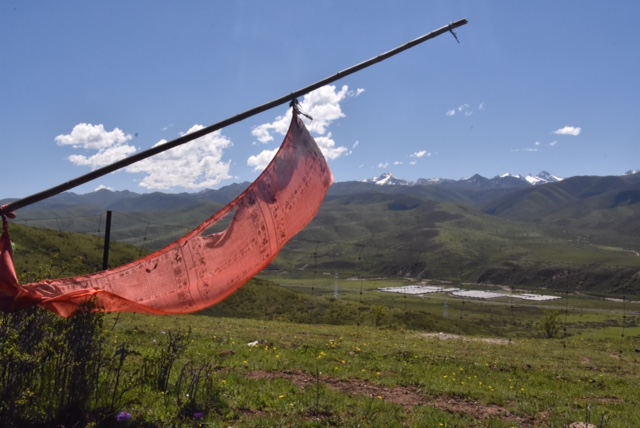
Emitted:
pixel 377 373
pixel 308 347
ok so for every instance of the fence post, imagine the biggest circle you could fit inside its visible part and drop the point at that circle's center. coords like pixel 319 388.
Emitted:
pixel 107 241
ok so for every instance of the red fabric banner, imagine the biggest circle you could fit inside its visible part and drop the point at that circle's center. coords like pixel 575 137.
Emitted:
pixel 198 270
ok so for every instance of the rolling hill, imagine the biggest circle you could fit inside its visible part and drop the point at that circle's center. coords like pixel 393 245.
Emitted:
pixel 581 232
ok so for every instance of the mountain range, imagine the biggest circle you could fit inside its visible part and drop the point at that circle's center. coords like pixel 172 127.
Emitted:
pixel 505 180
pixel 539 231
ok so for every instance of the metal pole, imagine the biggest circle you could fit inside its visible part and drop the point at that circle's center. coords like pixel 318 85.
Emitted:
pixel 37 197
pixel 107 242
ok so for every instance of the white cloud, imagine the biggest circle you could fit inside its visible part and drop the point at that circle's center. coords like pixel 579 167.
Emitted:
pixel 463 109
pixel 92 137
pixel 413 163
pixel 383 165
pixel 397 163
pixel 104 157
pixel 323 105
pixel 111 145
pixel 194 165
pixel 537 143
pixel 260 161
pixel 569 130
pixel 353 147
pixel 420 154
pixel 328 147
pixel 553 143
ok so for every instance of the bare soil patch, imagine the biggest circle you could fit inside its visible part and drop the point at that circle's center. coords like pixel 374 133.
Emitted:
pixel 447 336
pixel 404 396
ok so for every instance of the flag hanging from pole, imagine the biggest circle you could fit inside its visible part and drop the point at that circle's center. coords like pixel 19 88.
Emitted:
pixel 198 270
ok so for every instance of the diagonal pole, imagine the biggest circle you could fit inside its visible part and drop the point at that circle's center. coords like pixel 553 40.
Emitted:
pixel 37 197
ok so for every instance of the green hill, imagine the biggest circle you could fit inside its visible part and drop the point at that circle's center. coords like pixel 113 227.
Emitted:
pixel 579 233
pixel 51 253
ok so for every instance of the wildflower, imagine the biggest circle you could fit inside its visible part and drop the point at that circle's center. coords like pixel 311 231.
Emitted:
pixel 281 396
pixel 123 417
pixel 198 415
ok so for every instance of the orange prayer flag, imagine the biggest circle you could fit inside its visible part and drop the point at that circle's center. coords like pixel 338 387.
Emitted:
pixel 198 270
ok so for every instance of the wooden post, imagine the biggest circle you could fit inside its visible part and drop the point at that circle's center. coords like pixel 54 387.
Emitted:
pixel 107 242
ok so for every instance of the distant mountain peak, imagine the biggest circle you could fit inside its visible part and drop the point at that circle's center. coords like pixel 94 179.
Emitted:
pixel 506 180
pixel 632 172
pixel 387 179
pixel 508 174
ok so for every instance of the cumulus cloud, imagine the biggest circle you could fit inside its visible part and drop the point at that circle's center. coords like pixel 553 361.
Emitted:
pixel 260 161
pixel 195 165
pixel 323 105
pixel 397 163
pixel 568 130
pixel 383 165
pixel 111 146
pixel 420 154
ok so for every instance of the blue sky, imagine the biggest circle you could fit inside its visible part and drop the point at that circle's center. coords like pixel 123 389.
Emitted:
pixel 532 86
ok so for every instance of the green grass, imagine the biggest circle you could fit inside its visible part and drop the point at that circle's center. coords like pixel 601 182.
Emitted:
pixel 323 375
pixel 68 254
pixel 370 358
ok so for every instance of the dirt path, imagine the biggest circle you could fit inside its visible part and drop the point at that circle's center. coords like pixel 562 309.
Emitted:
pixel 407 397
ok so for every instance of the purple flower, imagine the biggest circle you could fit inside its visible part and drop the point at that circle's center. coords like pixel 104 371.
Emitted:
pixel 123 417
pixel 198 415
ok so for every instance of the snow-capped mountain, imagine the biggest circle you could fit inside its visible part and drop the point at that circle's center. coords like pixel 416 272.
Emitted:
pixel 542 178
pixel 502 181
pixel 387 179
